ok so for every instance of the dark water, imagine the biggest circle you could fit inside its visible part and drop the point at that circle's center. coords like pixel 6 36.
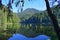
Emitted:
pixel 22 37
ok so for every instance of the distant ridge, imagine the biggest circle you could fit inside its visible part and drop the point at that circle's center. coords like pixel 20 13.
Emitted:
pixel 31 11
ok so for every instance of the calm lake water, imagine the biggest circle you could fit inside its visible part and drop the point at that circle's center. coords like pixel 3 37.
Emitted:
pixel 22 37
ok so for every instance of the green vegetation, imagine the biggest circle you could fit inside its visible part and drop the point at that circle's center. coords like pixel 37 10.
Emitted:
pixel 8 24
pixel 14 24
pixel 44 27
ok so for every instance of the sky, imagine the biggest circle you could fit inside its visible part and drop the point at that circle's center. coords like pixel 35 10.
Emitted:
pixel 36 4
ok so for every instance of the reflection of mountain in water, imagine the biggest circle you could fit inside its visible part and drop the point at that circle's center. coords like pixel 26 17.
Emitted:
pixel 34 22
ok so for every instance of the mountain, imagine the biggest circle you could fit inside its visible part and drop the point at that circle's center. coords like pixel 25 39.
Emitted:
pixel 42 15
pixel 28 13
pixel 31 11
pixel 35 22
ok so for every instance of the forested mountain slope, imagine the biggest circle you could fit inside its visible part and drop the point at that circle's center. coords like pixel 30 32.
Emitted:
pixel 34 22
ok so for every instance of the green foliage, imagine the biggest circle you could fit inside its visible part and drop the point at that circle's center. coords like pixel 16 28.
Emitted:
pixel 46 28
pixel 11 24
pixel 8 24
pixel 4 36
pixel 6 20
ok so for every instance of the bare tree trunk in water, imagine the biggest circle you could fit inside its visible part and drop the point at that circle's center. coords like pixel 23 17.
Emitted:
pixel 54 19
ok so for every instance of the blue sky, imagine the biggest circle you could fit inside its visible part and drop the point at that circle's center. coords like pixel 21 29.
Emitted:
pixel 37 4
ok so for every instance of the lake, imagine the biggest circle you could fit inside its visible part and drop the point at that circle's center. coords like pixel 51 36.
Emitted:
pixel 22 37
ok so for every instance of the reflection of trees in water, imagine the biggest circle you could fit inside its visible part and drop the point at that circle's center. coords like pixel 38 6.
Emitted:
pixel 31 23
pixel 12 27
pixel 36 25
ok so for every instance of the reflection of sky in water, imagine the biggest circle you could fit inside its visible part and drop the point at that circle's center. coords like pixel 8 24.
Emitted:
pixel 21 37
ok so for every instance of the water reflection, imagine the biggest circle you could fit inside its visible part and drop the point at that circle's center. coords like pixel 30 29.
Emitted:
pixel 22 37
pixel 35 26
pixel 31 27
